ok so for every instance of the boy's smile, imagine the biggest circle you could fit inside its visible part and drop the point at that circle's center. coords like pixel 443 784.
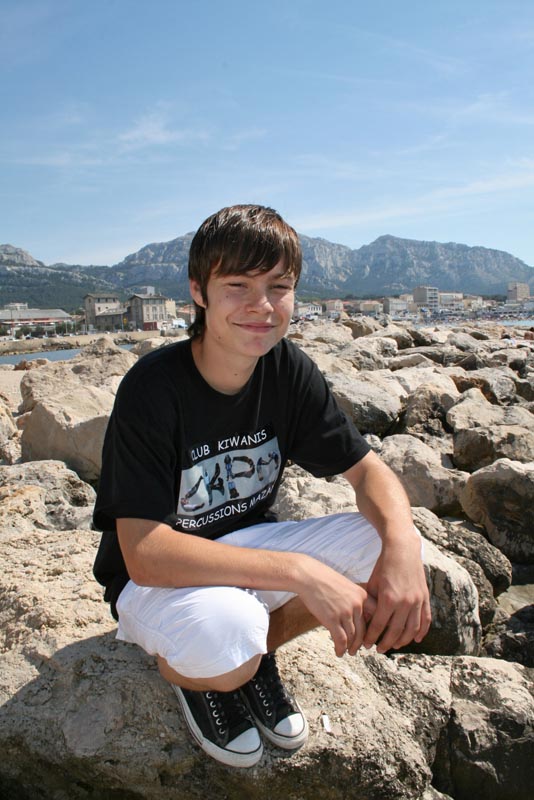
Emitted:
pixel 246 316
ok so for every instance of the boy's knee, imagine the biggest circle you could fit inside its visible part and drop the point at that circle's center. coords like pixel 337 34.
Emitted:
pixel 228 682
pixel 231 681
pixel 230 628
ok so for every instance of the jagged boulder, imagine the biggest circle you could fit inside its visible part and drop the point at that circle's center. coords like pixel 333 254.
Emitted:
pixel 70 429
pixel 512 637
pixel 409 360
pixel 374 406
pixel 428 482
pixel 512 357
pixel 43 496
pixel 497 386
pixel 463 341
pixel 456 628
pixel 8 431
pixel 477 447
pixel 435 530
pixel 489 735
pixel 367 353
pixel 472 410
pixel 400 335
pixel 426 408
pixel 458 538
pixel 362 326
pixel 501 498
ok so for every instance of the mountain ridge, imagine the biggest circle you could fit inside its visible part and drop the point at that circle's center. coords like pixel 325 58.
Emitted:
pixel 388 265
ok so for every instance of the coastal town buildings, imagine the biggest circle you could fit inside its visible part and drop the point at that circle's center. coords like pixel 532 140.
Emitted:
pixel 112 319
pixel 16 315
pixel 367 306
pixel 144 310
pixel 451 301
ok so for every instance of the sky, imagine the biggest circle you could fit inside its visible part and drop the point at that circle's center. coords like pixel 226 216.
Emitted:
pixel 126 122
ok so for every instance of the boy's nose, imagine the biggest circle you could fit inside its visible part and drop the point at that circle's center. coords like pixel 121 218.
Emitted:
pixel 259 298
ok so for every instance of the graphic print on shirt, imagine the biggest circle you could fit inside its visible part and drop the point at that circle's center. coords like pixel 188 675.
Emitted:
pixel 227 478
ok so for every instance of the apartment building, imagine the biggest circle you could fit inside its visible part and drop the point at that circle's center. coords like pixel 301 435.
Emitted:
pixel 517 292
pixel 308 309
pixel 395 306
pixel 426 297
pixel 95 304
pixel 148 311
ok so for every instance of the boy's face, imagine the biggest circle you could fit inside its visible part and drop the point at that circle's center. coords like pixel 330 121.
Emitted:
pixel 247 314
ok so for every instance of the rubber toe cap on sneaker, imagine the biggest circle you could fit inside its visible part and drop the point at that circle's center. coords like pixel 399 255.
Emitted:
pixel 291 726
pixel 248 742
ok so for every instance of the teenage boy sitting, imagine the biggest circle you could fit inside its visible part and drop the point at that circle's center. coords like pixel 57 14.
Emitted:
pixel 197 570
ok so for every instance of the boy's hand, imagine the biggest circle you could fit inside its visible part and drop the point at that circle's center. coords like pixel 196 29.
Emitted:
pixel 340 605
pixel 399 586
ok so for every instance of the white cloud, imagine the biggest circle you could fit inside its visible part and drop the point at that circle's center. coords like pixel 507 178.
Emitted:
pixel 441 200
pixel 153 129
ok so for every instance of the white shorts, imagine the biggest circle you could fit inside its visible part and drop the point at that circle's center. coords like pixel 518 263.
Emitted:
pixel 208 631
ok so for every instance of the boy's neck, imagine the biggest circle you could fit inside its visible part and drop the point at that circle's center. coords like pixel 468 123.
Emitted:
pixel 222 371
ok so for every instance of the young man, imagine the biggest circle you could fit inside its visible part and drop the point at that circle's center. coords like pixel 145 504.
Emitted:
pixel 197 570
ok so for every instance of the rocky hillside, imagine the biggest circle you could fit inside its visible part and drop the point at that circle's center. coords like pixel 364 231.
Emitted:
pixel 389 265
pixel 386 266
pixel 24 279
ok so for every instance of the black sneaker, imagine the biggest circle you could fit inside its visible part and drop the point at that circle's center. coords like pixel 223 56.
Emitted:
pixel 277 714
pixel 222 726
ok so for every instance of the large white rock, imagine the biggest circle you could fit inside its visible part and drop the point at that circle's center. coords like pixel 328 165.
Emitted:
pixel 101 364
pixel 70 429
pixel 420 468
pixel 497 385
pixel 68 405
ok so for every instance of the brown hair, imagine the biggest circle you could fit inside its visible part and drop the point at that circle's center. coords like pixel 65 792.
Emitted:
pixel 240 239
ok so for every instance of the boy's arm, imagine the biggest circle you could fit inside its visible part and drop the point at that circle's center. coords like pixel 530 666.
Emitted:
pixel 157 555
pixel 398 582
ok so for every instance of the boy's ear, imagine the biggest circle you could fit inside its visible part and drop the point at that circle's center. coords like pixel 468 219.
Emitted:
pixel 196 294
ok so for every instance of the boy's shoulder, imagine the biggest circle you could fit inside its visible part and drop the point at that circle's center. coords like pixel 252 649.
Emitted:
pixel 164 360
pixel 289 351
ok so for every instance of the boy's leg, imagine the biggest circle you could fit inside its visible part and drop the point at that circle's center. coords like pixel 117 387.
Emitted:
pixel 345 542
pixel 199 648
pixel 207 640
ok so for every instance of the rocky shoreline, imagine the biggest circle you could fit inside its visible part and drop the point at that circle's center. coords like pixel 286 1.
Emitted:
pixel 83 716
pixel 10 347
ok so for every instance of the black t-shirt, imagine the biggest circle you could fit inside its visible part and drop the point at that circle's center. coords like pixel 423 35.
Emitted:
pixel 178 451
